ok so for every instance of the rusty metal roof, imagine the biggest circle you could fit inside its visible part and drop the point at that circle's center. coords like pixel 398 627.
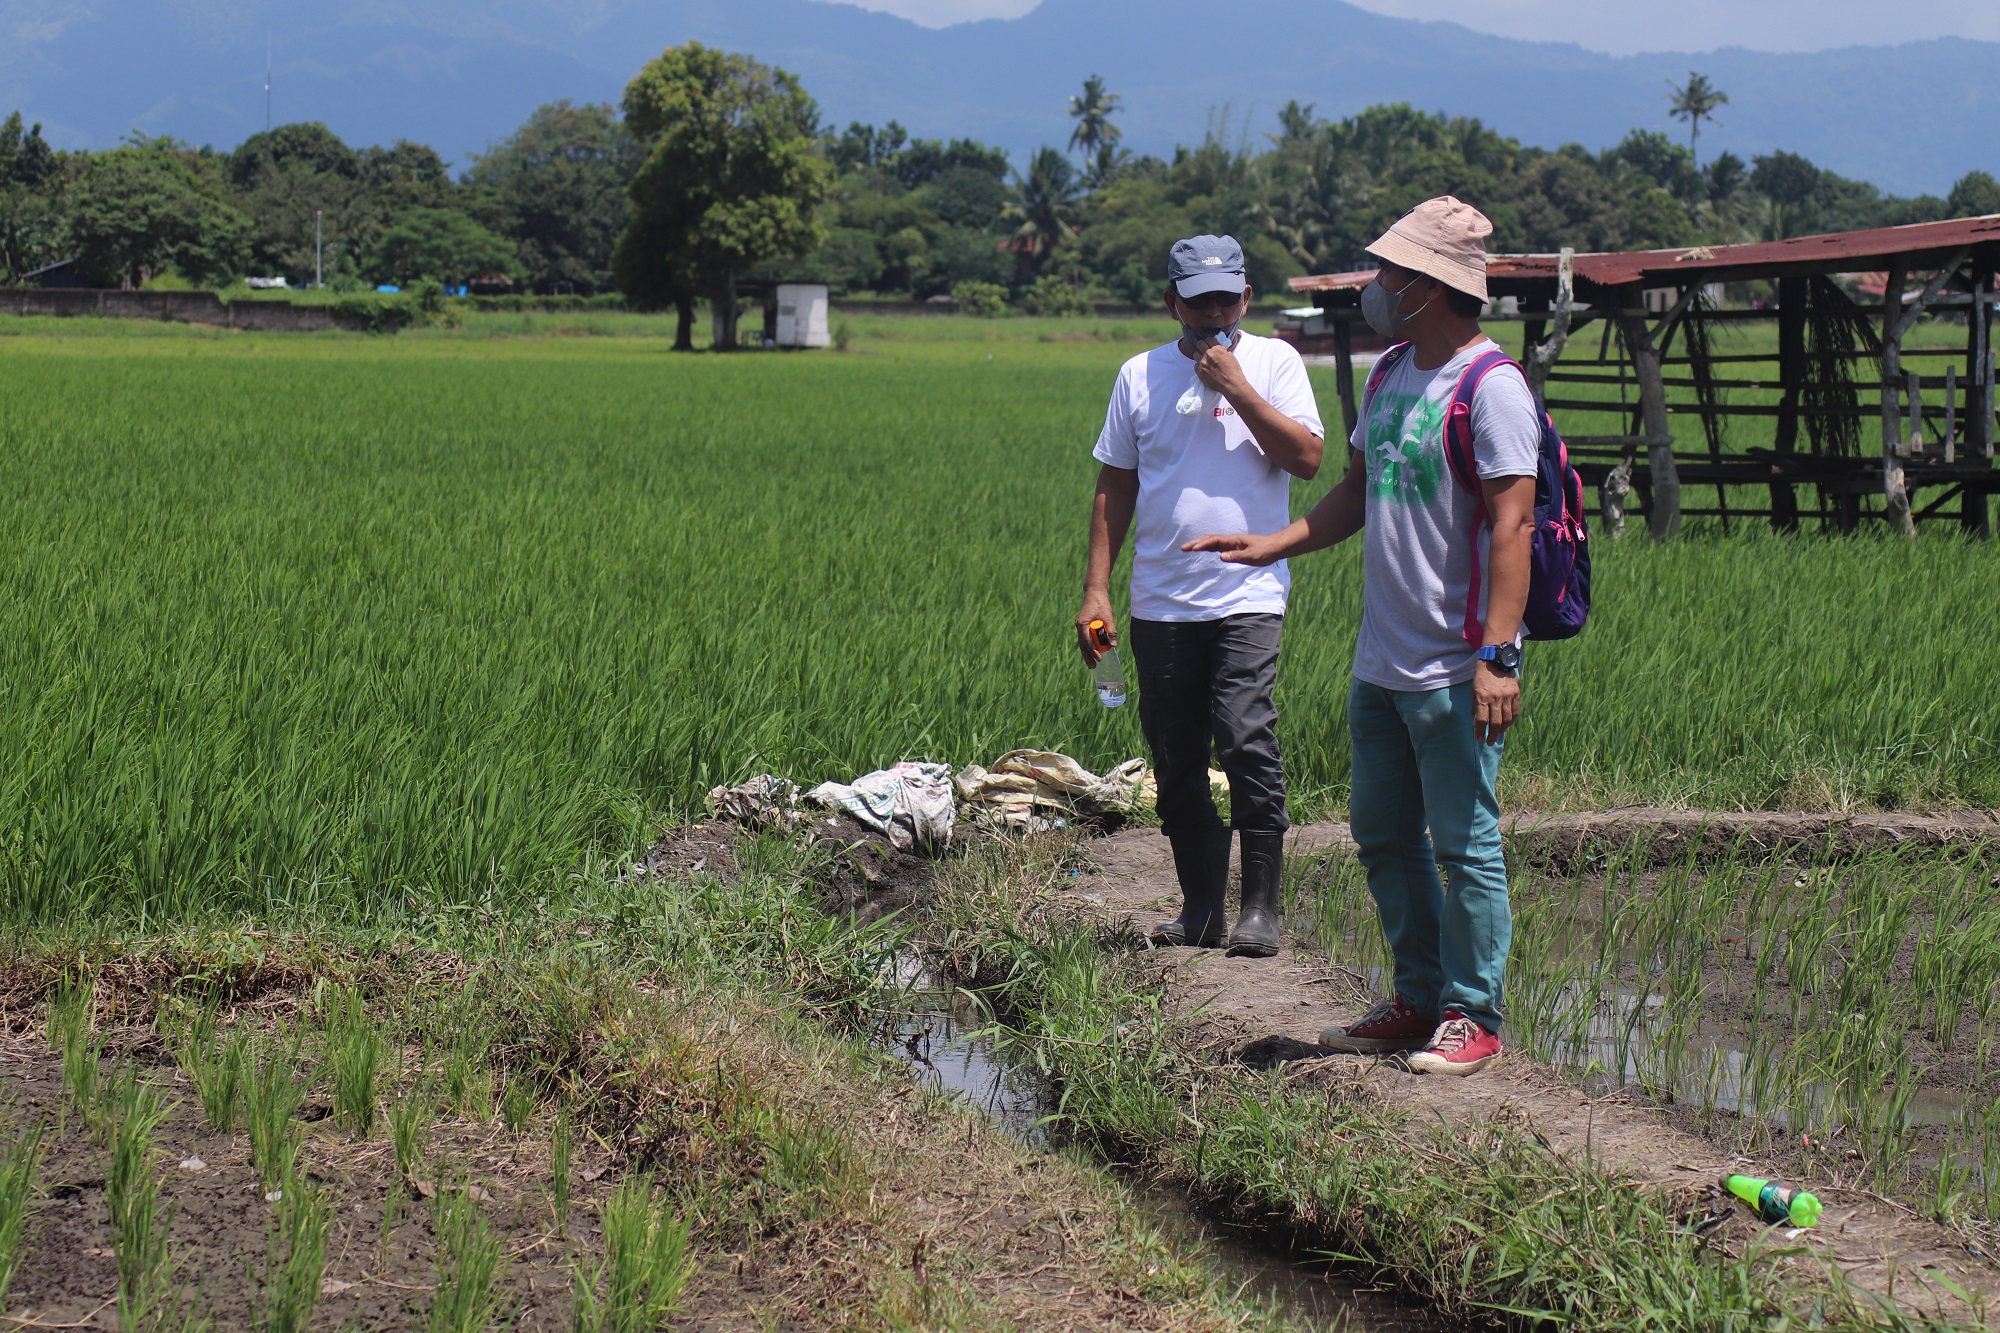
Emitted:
pixel 1835 252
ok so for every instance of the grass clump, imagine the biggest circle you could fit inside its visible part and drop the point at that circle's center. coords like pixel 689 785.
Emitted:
pixel 134 1110
pixel 354 1057
pixel 562 1157
pixel 272 1097
pixel 646 1265
pixel 215 1065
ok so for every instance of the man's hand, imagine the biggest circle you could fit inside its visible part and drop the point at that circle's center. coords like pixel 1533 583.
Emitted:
pixel 1217 367
pixel 1496 703
pixel 1096 606
pixel 1240 548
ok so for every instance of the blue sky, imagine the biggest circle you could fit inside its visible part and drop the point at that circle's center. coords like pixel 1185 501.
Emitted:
pixel 1623 27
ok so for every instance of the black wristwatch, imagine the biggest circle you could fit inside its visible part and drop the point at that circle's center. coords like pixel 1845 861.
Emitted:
pixel 1504 656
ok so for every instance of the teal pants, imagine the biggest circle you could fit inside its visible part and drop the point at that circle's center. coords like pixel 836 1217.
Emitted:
pixel 1424 799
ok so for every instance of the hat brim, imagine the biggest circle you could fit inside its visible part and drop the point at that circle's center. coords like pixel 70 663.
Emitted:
pixel 1458 275
pixel 1200 284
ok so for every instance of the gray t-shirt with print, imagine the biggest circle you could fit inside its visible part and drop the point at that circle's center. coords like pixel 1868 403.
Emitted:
pixel 1419 541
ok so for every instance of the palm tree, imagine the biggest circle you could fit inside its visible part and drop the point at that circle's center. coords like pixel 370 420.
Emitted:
pixel 1695 103
pixel 1092 114
pixel 1043 202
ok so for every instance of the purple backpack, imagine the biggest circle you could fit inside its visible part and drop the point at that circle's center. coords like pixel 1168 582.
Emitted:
pixel 1559 559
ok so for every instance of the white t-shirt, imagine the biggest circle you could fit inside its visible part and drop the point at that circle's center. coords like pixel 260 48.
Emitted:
pixel 1417 567
pixel 1200 474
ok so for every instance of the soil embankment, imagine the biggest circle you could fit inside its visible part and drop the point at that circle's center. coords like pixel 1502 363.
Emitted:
pixel 1238 1003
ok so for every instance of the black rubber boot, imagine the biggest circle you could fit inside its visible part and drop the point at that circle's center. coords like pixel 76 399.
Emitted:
pixel 1201 863
pixel 1256 933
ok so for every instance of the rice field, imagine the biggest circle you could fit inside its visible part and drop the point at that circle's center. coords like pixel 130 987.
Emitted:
pixel 353 623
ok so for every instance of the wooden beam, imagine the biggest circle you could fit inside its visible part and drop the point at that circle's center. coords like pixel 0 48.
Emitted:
pixel 1908 318
pixel 1792 294
pixel 1664 513
pixel 1896 498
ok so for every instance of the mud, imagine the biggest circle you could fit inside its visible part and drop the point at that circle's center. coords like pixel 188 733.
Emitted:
pixel 1272 1010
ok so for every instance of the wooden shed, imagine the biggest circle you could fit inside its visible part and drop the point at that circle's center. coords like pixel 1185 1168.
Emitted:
pixel 1840 382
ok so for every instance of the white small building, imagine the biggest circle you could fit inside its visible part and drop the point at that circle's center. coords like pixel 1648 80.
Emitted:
pixel 802 315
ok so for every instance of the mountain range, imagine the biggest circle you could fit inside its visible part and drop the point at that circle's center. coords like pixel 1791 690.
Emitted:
pixel 458 75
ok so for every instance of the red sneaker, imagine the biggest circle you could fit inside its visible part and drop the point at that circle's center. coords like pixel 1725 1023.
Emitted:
pixel 1389 1026
pixel 1459 1046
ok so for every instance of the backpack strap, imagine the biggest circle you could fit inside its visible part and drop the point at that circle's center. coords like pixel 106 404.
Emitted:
pixel 1380 371
pixel 1464 464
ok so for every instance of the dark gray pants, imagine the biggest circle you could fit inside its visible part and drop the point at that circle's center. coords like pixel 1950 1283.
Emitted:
pixel 1206 685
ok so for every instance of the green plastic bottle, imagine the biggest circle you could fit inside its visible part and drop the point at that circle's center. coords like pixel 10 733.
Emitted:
pixel 1774 1201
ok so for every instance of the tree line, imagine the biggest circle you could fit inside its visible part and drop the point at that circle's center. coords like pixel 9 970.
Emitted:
pixel 716 168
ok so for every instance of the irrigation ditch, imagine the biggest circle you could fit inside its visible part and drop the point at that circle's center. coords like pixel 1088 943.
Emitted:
pixel 1617 1081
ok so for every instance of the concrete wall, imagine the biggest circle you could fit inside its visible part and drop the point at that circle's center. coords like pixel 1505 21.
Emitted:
pixel 178 307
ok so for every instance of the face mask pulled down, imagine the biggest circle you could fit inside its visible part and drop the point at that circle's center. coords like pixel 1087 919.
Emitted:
pixel 1383 309
pixel 1199 397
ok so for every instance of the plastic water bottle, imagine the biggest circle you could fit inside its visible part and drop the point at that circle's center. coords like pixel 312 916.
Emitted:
pixel 1109 673
pixel 1775 1201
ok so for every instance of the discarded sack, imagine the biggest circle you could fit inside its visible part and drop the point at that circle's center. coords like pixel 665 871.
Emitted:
pixel 771 802
pixel 1034 790
pixel 909 803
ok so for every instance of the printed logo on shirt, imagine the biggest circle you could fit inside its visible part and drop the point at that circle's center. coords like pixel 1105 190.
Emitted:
pixel 1224 410
pixel 1406 447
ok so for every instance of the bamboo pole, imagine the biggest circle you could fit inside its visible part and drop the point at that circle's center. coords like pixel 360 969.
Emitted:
pixel 1665 518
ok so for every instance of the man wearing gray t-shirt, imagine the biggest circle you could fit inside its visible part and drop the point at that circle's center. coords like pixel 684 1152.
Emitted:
pixel 1445 580
pixel 1205 432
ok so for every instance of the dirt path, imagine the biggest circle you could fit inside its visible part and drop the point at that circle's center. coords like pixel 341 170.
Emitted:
pixel 1878 1245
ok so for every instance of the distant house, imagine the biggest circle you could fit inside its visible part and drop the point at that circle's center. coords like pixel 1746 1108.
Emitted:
pixel 62 273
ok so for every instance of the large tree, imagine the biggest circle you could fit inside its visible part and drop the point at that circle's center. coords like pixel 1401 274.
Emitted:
pixel 557 186
pixel 32 229
pixel 1695 101
pixel 732 177
pixel 151 205
pixel 300 186
pixel 439 243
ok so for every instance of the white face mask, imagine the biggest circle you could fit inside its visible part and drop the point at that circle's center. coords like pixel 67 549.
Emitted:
pixel 1383 309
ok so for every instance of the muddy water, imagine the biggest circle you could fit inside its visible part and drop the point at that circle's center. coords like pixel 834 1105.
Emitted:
pixel 939 1033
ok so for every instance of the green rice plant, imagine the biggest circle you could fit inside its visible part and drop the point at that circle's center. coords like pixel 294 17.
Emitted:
pixel 19 1164
pixel 272 1096
pixel 467 1077
pixel 409 1127
pixel 139 1224
pixel 295 1256
pixel 646 1265
pixel 72 1031
pixel 470 1261
pixel 354 1056
pixel 517 1103
pixel 215 1065
pixel 562 1154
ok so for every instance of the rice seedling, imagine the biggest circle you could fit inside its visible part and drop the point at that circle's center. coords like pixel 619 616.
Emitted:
pixel 295 1256
pixel 271 1097
pixel 468 1078
pixel 646 1265
pixel 409 1127
pixel 215 1065
pixel 72 1032
pixel 354 1057
pixel 139 1224
pixel 19 1164
pixel 562 1154
pixel 469 1264
pixel 517 1103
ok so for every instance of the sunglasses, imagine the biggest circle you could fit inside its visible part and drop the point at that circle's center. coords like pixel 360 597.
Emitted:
pixel 1212 300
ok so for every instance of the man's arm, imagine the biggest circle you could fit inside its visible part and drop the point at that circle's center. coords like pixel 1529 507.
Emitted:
pixel 1340 514
pixel 1110 517
pixel 1510 501
pixel 1284 441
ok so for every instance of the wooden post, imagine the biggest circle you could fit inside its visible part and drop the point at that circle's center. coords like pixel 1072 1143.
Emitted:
pixel 1665 518
pixel 1896 500
pixel 1791 374
pixel 1950 415
pixel 1540 354
pixel 1975 506
pixel 1915 444
pixel 1343 373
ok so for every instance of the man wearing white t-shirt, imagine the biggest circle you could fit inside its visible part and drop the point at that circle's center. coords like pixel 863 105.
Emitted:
pixel 1203 434
pixel 1445 581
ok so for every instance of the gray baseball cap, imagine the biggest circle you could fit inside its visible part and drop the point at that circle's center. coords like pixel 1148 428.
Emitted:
pixel 1206 264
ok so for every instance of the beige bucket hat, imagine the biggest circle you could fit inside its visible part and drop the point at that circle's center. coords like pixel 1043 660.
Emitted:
pixel 1442 238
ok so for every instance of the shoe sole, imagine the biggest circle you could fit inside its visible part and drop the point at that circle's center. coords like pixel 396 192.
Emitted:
pixel 1423 1062
pixel 1338 1041
pixel 1252 950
